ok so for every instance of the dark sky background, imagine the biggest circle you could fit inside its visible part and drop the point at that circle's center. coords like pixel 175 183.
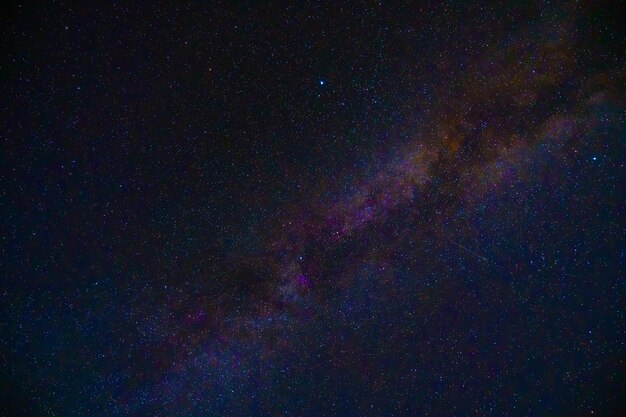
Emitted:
pixel 312 209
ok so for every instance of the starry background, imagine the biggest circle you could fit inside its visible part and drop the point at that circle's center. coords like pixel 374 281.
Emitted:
pixel 312 209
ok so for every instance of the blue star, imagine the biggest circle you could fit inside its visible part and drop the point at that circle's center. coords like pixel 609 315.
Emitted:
pixel 321 82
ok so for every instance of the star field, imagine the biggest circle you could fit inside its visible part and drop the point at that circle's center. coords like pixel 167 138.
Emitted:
pixel 313 209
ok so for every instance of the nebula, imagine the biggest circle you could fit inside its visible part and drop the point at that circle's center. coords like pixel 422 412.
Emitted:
pixel 355 210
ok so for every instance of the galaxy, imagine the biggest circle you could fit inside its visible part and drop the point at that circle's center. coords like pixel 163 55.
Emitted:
pixel 313 209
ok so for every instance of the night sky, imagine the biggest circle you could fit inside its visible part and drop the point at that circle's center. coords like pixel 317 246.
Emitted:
pixel 312 209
